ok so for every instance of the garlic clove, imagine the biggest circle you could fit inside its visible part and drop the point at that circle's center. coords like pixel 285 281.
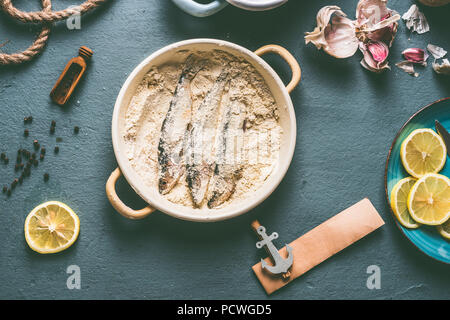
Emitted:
pixel 379 50
pixel 375 56
pixel 337 38
pixel 415 55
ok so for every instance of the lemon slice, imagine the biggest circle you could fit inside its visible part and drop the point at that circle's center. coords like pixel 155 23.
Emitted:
pixel 444 229
pixel 422 152
pixel 429 199
pixel 399 197
pixel 51 227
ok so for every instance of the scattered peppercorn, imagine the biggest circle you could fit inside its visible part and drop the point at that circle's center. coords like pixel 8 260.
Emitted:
pixel 76 129
pixel 56 149
pixel 46 176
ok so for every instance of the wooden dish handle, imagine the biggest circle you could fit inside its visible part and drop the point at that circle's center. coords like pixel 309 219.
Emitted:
pixel 289 58
pixel 115 201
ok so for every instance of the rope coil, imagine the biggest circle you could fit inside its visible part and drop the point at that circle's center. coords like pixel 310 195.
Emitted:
pixel 44 17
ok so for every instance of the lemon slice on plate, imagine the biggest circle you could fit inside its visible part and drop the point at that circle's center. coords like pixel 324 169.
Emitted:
pixel 422 152
pixel 444 229
pixel 399 197
pixel 429 199
pixel 51 227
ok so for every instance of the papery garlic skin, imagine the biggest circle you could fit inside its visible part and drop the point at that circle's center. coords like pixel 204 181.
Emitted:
pixel 337 38
pixel 415 55
pixel 442 68
pixel 415 20
pixel 375 21
pixel 408 67
pixel 370 12
pixel 436 51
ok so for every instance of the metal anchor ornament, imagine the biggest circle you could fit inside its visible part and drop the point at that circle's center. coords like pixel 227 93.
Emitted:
pixel 281 266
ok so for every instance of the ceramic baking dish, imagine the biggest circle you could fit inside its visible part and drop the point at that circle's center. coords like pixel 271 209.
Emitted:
pixel 151 195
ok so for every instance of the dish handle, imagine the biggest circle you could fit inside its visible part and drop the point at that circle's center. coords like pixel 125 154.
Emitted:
pixel 198 9
pixel 117 204
pixel 289 58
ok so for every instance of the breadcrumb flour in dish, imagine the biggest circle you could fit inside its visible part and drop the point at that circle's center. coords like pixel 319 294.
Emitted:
pixel 257 144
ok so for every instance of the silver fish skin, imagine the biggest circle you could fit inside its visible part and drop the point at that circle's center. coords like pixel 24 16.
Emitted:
pixel 228 165
pixel 200 161
pixel 174 127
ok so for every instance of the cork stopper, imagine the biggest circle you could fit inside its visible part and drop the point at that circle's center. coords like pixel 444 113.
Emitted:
pixel 85 52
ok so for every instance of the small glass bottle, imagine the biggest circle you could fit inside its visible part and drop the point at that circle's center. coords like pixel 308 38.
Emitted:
pixel 70 77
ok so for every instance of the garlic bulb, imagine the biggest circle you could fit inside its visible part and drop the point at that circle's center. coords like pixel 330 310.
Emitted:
pixel 336 38
pixel 373 32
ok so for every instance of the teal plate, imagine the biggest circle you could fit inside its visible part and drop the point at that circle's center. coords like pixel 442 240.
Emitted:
pixel 426 238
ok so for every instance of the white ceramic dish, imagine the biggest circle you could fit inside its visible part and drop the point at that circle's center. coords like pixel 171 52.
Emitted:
pixel 207 9
pixel 151 195
pixel 257 5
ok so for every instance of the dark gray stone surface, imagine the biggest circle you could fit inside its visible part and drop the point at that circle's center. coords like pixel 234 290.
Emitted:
pixel 347 119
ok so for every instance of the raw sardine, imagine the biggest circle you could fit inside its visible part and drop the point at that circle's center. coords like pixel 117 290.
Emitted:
pixel 200 161
pixel 228 152
pixel 174 127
